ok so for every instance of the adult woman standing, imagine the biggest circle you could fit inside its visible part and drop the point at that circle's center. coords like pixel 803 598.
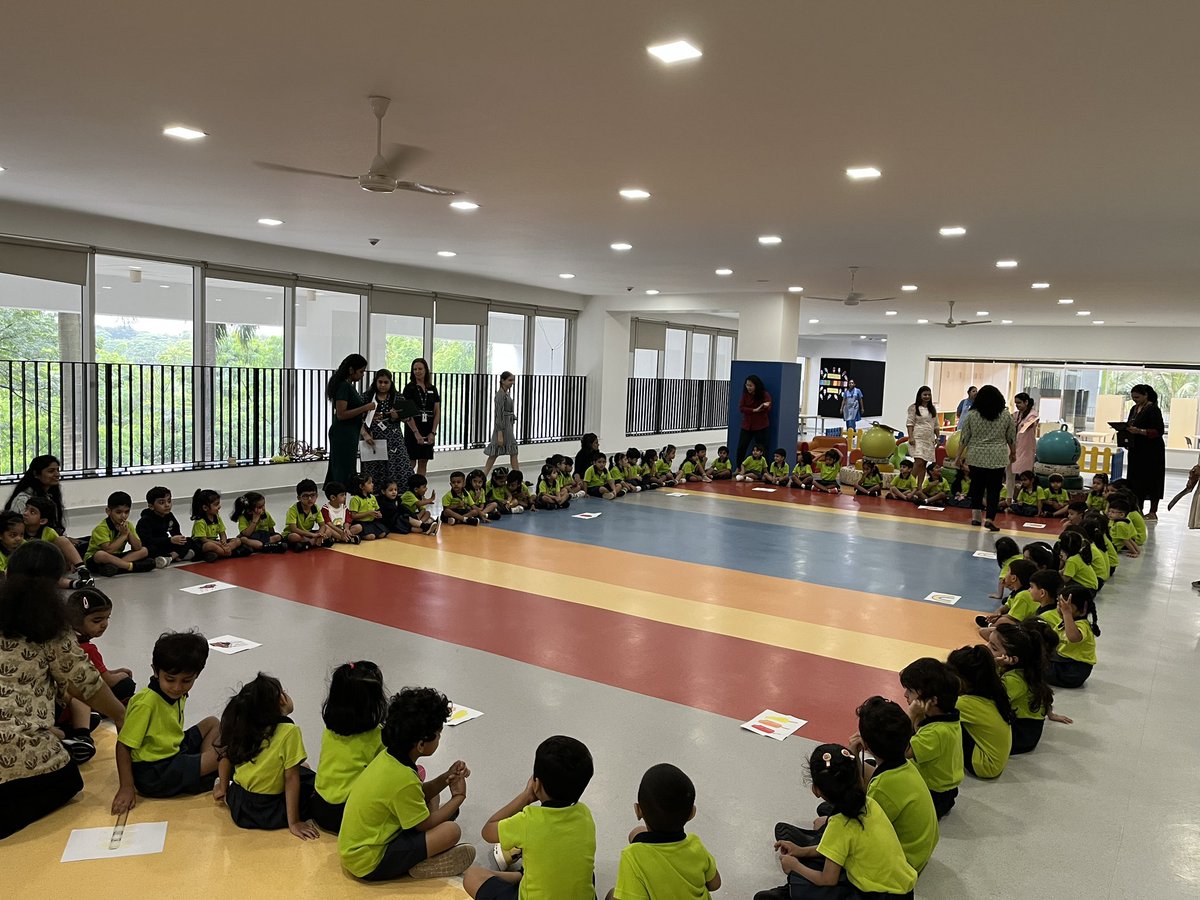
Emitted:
pixel 390 410
pixel 1026 422
pixel 755 407
pixel 348 412
pixel 41 479
pixel 986 447
pixel 504 434
pixel 422 393
pixel 922 427
pixel 1147 449
pixel 40 661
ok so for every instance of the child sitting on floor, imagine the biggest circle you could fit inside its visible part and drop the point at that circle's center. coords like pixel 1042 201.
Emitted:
pixel 961 492
pixel 599 482
pixel 208 529
pixel 1097 497
pixel 904 485
pixel 497 491
pixel 661 859
pixel 415 505
pixel 1075 559
pixel 617 470
pixel 778 472
pixel 115 547
pixel 256 526
pixel 336 515
pixel 986 713
pixel 826 476
pixel 753 467
pixel 1075 622
pixel 303 528
pixel 1020 652
pixel 159 529
pixel 1054 502
pixel 931 690
pixel 557 839
pixel 456 503
pixel 353 712
pixel 12 536
pixel 936 489
pixel 481 505
pixel 1007 552
pixel 1020 605
pixel 722 468
pixel 520 491
pixel 802 472
pixel 871 483
pixel 632 469
pixel 364 509
pixel 89 611
pixel 1028 495
pixel 549 494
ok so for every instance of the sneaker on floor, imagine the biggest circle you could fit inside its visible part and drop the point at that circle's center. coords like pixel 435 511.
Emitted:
pixel 188 555
pixel 80 747
pixel 108 571
pixel 161 562
pixel 210 557
pixel 609 495
pixel 803 837
pixel 982 621
pixel 453 862
pixel 578 494
pixel 144 565
pixel 517 510
pixel 779 893
pixel 83 576
pixel 505 859
pixel 94 721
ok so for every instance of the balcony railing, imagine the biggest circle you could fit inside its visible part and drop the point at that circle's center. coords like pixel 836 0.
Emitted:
pixel 670 405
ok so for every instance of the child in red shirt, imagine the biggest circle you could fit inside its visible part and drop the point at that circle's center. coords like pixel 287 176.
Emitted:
pixel 89 610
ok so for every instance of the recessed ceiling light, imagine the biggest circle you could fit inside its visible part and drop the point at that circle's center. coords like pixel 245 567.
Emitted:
pixel 634 194
pixel 565 275
pixel 908 287
pixel 1084 312
pixel 651 292
pixel 891 312
pixel 2 169
pixel 106 287
pixel 164 285
pixel 217 299
pixel 796 289
pixel 183 133
pixel 952 231
pixel 768 239
pixel 813 321
pixel 621 245
pixel 464 205
pixel 270 222
pixel 674 52
pixel 922 321
pixel 883 340
pixel 1006 264
pixel 1040 285
pixel 1097 321
pixel 1065 301
pixel 722 271
pixel 135 268
pixel 446 253
pixel 862 337
pixel 982 312
pixel 860 173
pixel 1006 321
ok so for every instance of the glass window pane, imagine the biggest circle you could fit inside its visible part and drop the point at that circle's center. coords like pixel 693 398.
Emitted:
pixel 40 320
pixel 454 348
pixel 326 327
pixel 700 355
pixel 549 346
pixel 723 357
pixel 397 341
pixel 244 324
pixel 645 363
pixel 673 357
pixel 143 311
pixel 506 343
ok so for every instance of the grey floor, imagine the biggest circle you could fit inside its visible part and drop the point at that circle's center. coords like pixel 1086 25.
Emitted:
pixel 1108 807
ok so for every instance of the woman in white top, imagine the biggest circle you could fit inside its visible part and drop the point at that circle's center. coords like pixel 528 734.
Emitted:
pixel 922 427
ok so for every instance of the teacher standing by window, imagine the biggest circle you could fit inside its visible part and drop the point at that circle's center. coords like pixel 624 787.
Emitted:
pixel 986 448
pixel 755 407
pixel 1147 449
pixel 421 392
pixel 348 413
pixel 504 432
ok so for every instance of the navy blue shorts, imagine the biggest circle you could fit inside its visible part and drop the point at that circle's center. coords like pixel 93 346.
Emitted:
pixel 498 889
pixel 178 774
pixel 403 852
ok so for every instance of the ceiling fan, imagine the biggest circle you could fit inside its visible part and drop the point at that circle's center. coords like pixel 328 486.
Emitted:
pixel 383 176
pixel 854 297
pixel 954 323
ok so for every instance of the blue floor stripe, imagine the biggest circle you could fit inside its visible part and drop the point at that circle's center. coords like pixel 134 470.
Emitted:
pixel 830 557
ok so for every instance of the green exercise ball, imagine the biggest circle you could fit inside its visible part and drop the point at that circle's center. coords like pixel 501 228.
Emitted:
pixel 952 446
pixel 878 443
pixel 1058 448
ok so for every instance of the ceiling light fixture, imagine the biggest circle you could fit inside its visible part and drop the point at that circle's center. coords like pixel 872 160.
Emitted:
pixel 1084 312
pixel 862 173
pixel 952 231
pixel 183 133
pixel 1006 264
pixel 862 337
pixel 891 312
pixel 1040 285
pixel 908 288
pixel 106 287
pixel 2 169
pixel 1006 321
pixel 464 205
pixel 796 289
pixel 982 312
pixel 652 292
pixel 1097 321
pixel 722 271
pixel 1065 301
pixel 634 194
pixel 565 275
pixel 768 239
pixel 621 245
pixel 814 321
pixel 164 286
pixel 271 222
pixel 446 253
pixel 922 321
pixel 675 51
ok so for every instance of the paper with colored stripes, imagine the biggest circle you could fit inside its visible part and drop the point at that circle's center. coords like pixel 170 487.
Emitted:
pixel 774 725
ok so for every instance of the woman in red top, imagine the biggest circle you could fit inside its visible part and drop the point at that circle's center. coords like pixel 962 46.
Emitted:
pixel 755 406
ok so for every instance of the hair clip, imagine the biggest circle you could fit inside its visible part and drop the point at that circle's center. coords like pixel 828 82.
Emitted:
pixel 84 601
pixel 827 759
pixel 846 753
pixel 350 664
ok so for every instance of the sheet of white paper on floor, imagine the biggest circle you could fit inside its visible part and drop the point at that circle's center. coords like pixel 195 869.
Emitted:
pixel 939 597
pixel 460 714
pixel 775 725
pixel 208 587
pixel 984 554
pixel 932 508
pixel 229 644
pixel 764 490
pixel 1033 525
pixel 586 515
pixel 92 843
pixel 677 494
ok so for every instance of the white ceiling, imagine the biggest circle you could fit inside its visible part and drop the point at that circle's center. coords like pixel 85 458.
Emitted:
pixel 1057 132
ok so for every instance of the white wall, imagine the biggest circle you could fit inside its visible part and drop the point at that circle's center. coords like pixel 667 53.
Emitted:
pixel 810 349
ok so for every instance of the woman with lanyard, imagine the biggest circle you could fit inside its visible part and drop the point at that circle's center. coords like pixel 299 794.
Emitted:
pixel 422 393
pixel 390 410
pixel 922 427
pixel 348 412
pixel 1026 421
pixel 1147 449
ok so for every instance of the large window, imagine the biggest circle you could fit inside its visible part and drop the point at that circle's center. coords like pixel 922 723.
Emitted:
pixel 397 340
pixel 700 354
pixel 951 378
pixel 723 357
pixel 675 354
pixel 143 311
pixel 326 327
pixel 243 324
pixel 454 348
pixel 40 320
pixel 549 345
pixel 506 343
pixel 701 361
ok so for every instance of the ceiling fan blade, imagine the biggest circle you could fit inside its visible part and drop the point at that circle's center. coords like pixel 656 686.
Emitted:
pixel 398 158
pixel 874 299
pixel 421 188
pixel 292 170
pixel 976 322
pixel 831 299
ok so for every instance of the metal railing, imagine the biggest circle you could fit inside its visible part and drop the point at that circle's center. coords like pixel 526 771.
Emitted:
pixel 669 405
pixel 118 418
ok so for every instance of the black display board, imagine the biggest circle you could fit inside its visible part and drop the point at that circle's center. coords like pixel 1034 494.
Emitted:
pixel 867 374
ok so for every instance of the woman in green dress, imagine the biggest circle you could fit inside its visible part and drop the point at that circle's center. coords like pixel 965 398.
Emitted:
pixel 348 412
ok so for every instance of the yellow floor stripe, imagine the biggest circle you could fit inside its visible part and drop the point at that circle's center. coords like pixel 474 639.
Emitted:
pixel 821 640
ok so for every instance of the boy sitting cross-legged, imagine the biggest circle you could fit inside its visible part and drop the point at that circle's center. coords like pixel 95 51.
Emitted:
pixel 114 546
pixel 557 840
pixel 154 754
pixel 661 860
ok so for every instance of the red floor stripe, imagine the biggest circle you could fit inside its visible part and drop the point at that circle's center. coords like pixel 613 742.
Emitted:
pixel 725 675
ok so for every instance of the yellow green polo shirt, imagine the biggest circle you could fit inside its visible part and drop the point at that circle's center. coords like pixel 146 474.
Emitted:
pixel 1122 530
pixel 1084 650
pixel 679 869
pixel 153 728
pixel 755 466
pixel 1080 572
pixel 558 845
pixel 1022 606
pixel 1029 498
pixel 102 535
pixel 384 800
pixel 800 471
pixel 364 505
pixel 1055 496
pixel 455 501
pixel 662 467
pixel 904 797
pixel 298 520
pixel 904 482
pixel 1019 695
pixel 779 471
pixel 1008 562
pixel 266 523
pixel 941 486
pixel 1096 501
pixel 545 487
pixel 44 533
pixel 343 759
pixel 592 478
pixel 283 750
pixel 498 494
pixel 1139 526
pixel 869 851
pixel 871 482
pixel 411 503
pixel 992 735
pixel 1114 557
pixel 722 465
pixel 1100 563
pixel 830 471
pixel 208 531
pixel 938 753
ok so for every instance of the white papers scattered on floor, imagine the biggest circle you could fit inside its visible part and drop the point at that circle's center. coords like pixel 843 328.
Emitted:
pixel 229 644
pixel 137 840
pixel 208 587
pixel 774 725
pixel 939 597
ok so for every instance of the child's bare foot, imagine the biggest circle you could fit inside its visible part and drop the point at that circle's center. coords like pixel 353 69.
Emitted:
pixel 995 596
